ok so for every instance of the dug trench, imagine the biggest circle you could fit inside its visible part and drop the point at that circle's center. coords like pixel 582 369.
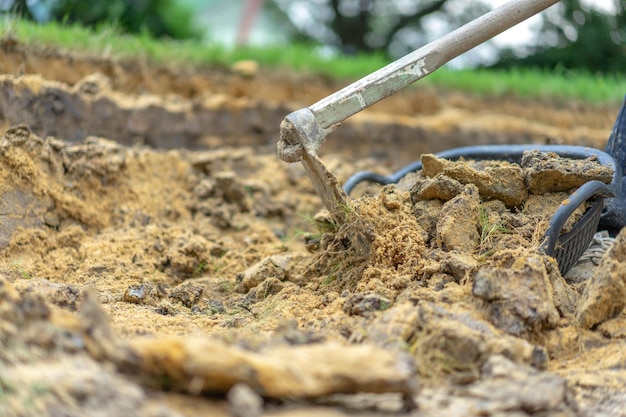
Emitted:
pixel 158 258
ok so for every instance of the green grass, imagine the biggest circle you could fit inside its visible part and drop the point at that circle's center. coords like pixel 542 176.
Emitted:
pixel 107 41
pixel 489 229
pixel 534 84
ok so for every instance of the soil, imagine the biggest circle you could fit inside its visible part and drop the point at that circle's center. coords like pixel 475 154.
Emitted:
pixel 158 259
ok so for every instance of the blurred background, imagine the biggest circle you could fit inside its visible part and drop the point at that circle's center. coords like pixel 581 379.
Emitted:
pixel 581 35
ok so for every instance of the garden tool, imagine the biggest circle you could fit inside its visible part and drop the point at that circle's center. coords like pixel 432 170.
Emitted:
pixel 303 131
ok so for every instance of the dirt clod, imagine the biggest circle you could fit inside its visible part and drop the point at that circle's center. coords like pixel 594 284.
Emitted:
pixel 457 227
pixel 145 293
pixel 520 297
pixel 272 267
pixel 604 296
pixel 495 180
pixel 364 304
pixel 546 172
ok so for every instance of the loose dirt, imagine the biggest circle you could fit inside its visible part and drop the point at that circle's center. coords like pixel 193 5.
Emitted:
pixel 158 259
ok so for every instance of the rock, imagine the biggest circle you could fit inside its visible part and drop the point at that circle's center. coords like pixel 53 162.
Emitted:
pixel 188 294
pixel 433 165
pixel 63 295
pixel 222 215
pixel 21 209
pixel 548 172
pixel 447 343
pixel 457 227
pixel 243 401
pixel 246 68
pixel 73 386
pixel 229 188
pixel 507 386
pixel 496 180
pixel 97 335
pixel 604 296
pixel 392 198
pixel 17 310
pixel 273 266
pixel 427 214
pixel 187 256
pixel 565 297
pixel 146 293
pixel 93 84
pixel 289 332
pixel 519 299
pixel 459 265
pixel 212 307
pixel 269 286
pixel 439 187
pixel 278 371
pixel 365 304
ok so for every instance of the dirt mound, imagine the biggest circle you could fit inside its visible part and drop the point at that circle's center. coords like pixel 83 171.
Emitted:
pixel 143 281
pixel 138 102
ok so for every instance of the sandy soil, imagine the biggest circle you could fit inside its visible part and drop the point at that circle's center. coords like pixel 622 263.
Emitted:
pixel 158 259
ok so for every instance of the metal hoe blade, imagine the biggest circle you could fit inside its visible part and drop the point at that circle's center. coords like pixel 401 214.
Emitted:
pixel 304 131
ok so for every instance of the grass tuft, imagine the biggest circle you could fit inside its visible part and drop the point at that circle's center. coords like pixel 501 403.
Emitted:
pixel 490 227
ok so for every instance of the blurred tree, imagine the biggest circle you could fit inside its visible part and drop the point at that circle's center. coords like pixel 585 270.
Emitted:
pixel 160 18
pixel 157 17
pixel 575 36
pixel 20 8
pixel 395 27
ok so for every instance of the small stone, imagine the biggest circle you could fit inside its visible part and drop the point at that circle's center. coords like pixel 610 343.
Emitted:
pixel 93 84
pixel 246 68
pixel 439 187
pixel 145 293
pixel 243 401
pixel 270 286
pixel 362 304
pixel 459 265
pixel 271 267
pixel 432 165
pixel 214 307
pixel 52 219
pixel 392 198
pixel 426 213
pixel 228 187
pixel 188 294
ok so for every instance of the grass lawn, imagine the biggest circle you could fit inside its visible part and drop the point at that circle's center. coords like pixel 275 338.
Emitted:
pixel 107 41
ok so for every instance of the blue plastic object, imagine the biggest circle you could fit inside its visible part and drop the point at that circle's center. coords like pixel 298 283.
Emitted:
pixel 614 214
